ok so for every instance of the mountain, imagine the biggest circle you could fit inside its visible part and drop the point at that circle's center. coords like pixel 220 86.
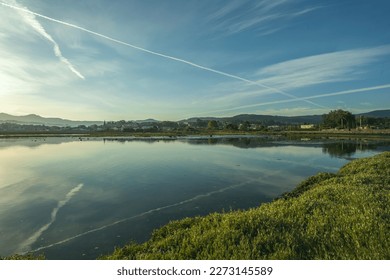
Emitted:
pixel 269 119
pixel 265 119
pixel 147 121
pixel 278 119
pixel 376 114
pixel 33 119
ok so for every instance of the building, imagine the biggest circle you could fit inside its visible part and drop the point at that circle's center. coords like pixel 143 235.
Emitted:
pixel 307 126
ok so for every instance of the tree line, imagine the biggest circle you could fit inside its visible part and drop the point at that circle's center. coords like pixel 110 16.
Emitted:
pixel 336 119
pixel 341 119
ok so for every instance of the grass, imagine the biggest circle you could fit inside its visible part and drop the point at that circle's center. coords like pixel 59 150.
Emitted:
pixel 24 257
pixel 328 216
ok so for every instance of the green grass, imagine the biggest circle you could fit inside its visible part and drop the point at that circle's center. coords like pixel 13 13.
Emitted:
pixel 328 216
pixel 24 257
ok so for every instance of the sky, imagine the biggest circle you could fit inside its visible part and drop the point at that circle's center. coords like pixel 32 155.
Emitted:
pixel 174 59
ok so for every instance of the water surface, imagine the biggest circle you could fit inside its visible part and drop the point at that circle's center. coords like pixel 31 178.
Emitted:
pixel 72 199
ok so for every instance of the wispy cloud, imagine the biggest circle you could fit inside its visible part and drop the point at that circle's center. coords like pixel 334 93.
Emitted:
pixel 308 71
pixel 26 245
pixel 255 83
pixel 29 81
pixel 320 69
pixel 264 17
pixel 30 19
pixel 14 74
pixel 352 91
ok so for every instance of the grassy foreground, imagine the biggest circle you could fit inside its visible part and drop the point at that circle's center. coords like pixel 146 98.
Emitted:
pixel 328 216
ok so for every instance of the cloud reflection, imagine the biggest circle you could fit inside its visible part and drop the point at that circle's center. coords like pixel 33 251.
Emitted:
pixel 138 216
pixel 26 245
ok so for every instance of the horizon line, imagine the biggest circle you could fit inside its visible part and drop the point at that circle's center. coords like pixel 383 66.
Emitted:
pixel 183 119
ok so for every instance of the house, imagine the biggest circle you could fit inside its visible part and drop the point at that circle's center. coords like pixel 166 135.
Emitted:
pixel 307 126
pixel 274 127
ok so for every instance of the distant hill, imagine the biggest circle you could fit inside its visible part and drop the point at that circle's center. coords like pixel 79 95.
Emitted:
pixel 33 119
pixel 377 114
pixel 265 119
pixel 269 119
pixel 314 119
pixel 147 121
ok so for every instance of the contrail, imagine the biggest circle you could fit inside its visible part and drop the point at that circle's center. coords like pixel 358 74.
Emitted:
pixel 26 245
pixel 29 18
pixel 141 215
pixel 302 98
pixel 164 55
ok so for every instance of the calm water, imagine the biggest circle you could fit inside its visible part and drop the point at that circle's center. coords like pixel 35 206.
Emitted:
pixel 72 199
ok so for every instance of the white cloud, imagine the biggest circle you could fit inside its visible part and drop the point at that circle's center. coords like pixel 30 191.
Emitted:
pixel 303 72
pixel 30 19
pixel 319 69
pixel 14 75
pixel 344 92
pixel 21 73
pixel 265 17
pixel 37 26
pixel 295 111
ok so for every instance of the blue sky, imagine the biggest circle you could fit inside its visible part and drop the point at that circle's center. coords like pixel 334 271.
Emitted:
pixel 174 59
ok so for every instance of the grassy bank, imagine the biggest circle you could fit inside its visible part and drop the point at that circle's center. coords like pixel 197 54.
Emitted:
pixel 328 216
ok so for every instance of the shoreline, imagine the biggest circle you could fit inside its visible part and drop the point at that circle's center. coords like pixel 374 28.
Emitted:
pixel 383 134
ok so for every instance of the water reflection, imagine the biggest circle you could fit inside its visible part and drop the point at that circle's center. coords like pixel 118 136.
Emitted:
pixel 349 148
pixel 73 199
pixel 339 147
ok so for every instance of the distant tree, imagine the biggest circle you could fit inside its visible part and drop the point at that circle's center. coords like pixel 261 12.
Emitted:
pixel 169 124
pixel 201 123
pixel 244 126
pixel 232 126
pixel 339 119
pixel 212 124
pixel 383 123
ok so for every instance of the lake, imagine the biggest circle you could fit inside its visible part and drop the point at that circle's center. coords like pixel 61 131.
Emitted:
pixel 78 198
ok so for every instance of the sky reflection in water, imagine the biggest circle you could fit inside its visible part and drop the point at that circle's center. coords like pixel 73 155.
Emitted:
pixel 79 199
